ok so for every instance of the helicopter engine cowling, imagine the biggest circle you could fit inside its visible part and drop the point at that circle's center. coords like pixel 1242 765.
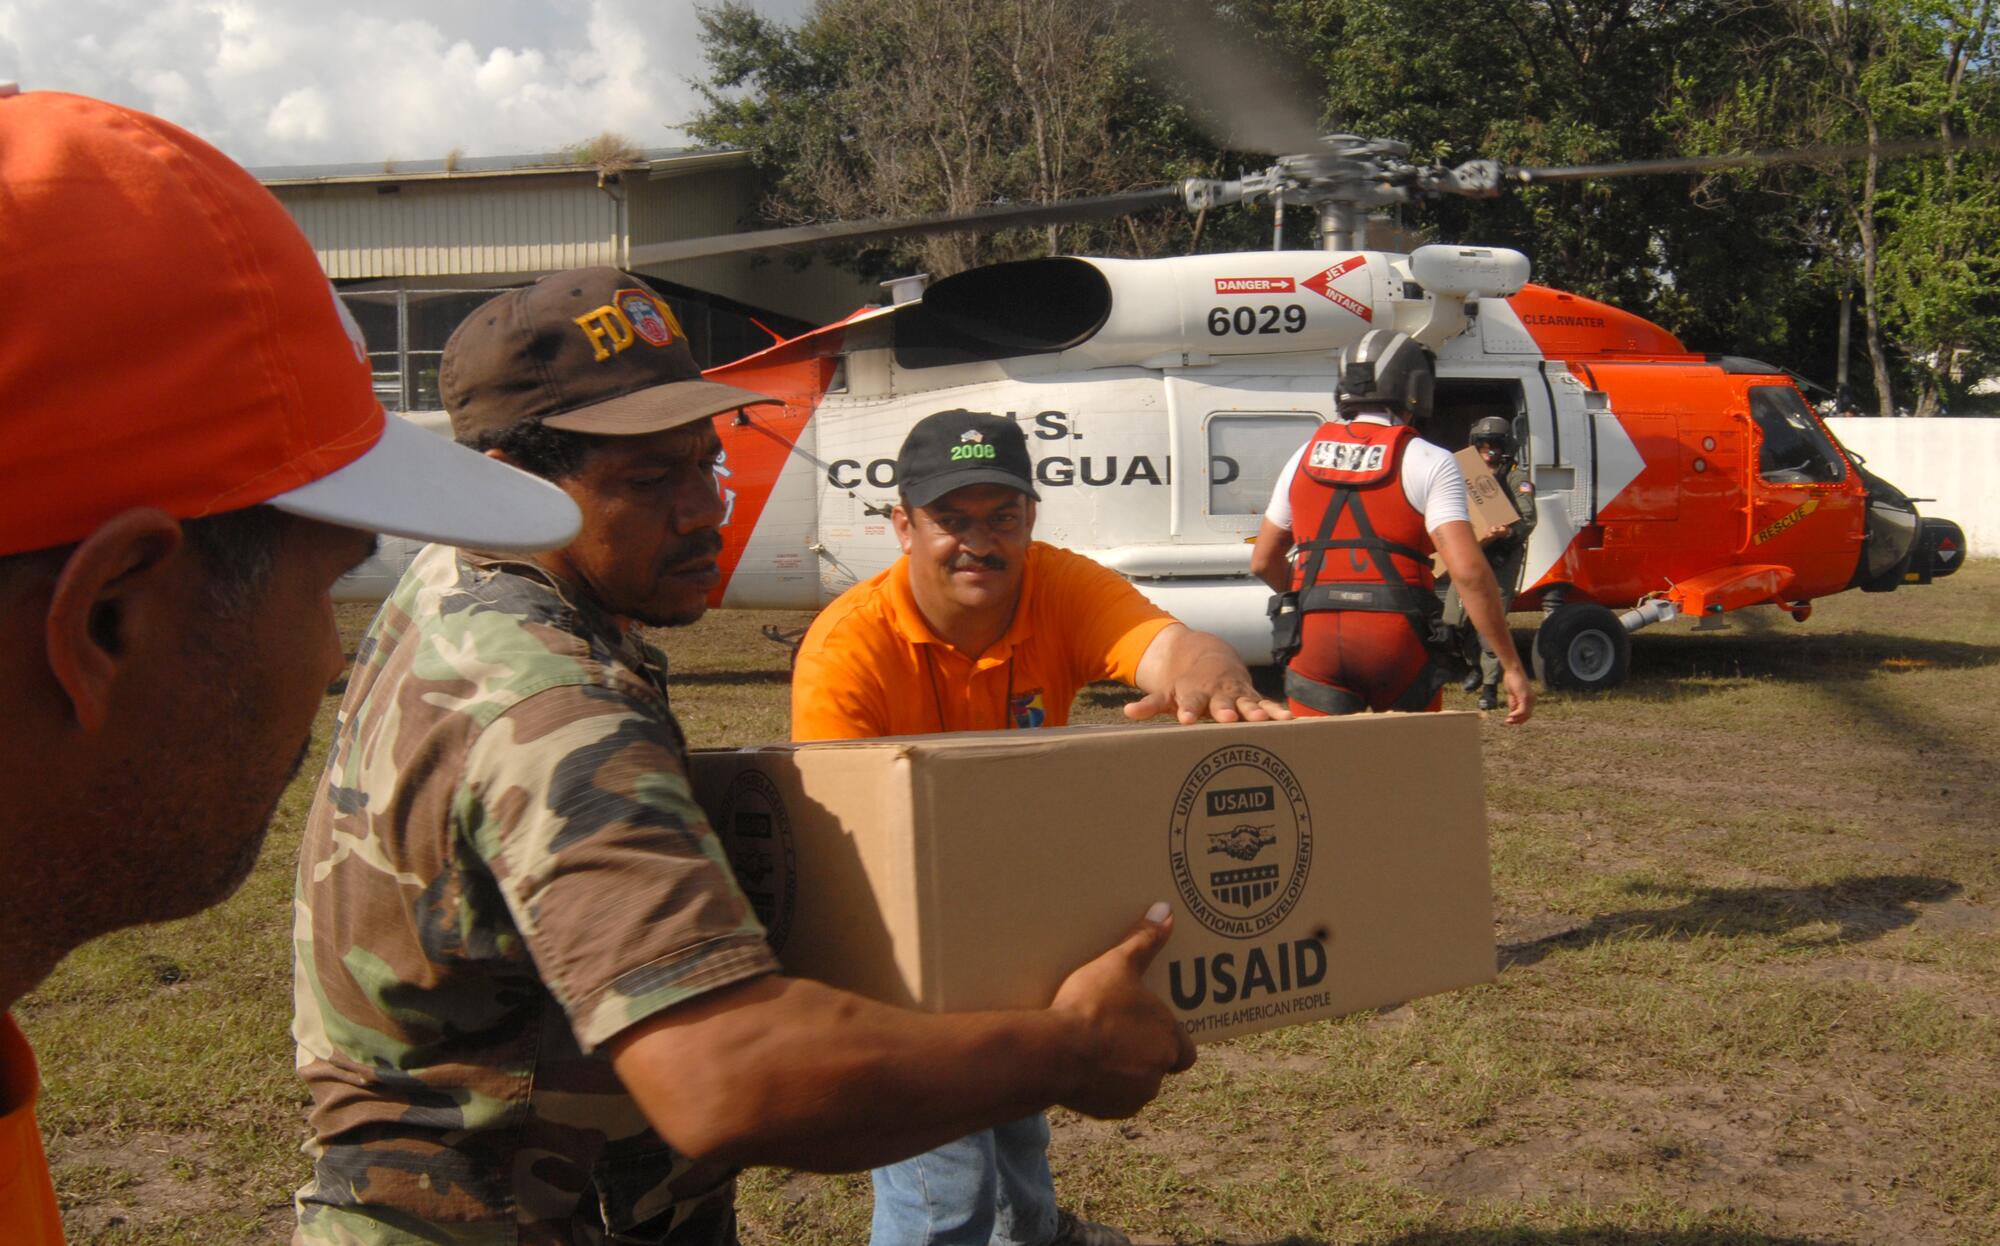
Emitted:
pixel 1186 311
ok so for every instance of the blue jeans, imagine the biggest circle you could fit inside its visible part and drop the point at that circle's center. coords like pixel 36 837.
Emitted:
pixel 993 1187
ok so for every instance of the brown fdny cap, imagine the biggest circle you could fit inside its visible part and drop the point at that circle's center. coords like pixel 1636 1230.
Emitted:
pixel 591 350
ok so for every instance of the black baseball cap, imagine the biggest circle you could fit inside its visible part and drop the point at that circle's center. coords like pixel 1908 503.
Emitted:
pixel 592 350
pixel 953 449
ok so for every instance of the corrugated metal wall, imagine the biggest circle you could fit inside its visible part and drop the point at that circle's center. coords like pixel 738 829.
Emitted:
pixel 443 229
pixel 453 229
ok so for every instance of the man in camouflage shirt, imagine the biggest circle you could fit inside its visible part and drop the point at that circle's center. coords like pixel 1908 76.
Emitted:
pixel 532 1004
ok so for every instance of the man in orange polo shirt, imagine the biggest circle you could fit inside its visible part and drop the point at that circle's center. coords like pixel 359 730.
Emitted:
pixel 190 454
pixel 978 627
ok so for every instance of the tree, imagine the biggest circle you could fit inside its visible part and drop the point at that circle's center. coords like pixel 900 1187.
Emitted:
pixel 1560 82
pixel 870 108
pixel 1939 265
pixel 1917 236
pixel 886 108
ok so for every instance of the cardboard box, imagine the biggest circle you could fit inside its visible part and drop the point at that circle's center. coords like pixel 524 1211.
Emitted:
pixel 1485 495
pixel 1315 868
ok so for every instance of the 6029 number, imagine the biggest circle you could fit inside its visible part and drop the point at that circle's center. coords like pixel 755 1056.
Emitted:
pixel 1269 318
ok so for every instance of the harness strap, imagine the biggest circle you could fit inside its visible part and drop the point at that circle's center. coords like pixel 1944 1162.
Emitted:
pixel 1387 547
pixel 1318 545
pixel 1385 598
pixel 1419 606
pixel 1327 699
pixel 1413 602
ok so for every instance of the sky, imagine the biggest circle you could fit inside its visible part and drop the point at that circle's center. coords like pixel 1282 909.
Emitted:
pixel 279 82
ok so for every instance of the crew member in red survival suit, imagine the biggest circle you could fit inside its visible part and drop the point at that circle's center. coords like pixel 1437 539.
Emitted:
pixel 1366 503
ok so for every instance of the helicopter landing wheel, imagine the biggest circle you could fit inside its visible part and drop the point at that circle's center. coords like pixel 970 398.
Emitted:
pixel 1582 647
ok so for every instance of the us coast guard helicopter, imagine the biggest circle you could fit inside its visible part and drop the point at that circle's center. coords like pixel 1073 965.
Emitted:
pixel 1162 396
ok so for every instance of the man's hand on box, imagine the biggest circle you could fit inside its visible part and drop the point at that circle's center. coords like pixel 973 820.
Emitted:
pixel 1130 1041
pixel 1194 675
pixel 796 1074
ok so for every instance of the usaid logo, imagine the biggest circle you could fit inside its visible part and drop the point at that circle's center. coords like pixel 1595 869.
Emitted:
pixel 1240 842
pixel 757 837
pixel 1240 800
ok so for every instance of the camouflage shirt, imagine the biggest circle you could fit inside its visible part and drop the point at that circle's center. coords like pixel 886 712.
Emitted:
pixel 502 870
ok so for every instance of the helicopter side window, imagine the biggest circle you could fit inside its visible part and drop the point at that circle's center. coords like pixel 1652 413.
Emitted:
pixel 1795 450
pixel 1245 453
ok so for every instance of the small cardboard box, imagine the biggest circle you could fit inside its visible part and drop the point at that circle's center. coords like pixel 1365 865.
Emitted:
pixel 1315 867
pixel 1485 495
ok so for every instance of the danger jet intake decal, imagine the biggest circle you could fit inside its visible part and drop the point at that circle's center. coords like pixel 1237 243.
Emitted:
pixel 1322 285
pixel 1254 285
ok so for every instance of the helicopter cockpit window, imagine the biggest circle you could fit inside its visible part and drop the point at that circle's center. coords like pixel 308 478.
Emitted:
pixel 1796 450
pixel 1245 453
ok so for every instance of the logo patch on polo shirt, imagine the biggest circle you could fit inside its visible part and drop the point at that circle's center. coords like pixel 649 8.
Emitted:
pixel 1028 709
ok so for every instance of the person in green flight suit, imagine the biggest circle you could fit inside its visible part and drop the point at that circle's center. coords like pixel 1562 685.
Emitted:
pixel 1506 546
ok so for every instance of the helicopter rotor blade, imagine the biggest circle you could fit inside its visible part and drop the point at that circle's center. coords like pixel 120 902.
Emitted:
pixel 1006 216
pixel 1748 159
pixel 1250 93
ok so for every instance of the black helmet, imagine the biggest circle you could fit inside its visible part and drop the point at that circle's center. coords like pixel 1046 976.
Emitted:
pixel 1494 428
pixel 1385 368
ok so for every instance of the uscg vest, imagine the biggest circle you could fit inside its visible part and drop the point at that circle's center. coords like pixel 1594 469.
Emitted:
pixel 1363 461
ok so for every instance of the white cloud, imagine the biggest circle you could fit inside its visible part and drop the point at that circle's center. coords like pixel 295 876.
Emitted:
pixel 301 117
pixel 167 91
pixel 306 81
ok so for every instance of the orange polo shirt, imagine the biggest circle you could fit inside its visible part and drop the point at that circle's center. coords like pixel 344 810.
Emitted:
pixel 27 1199
pixel 871 666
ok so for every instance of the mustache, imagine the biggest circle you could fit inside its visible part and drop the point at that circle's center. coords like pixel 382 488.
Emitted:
pixel 702 545
pixel 972 562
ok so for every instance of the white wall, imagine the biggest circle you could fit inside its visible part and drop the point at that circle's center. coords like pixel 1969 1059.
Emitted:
pixel 1956 462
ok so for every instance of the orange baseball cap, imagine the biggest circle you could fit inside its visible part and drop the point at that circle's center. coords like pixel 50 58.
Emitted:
pixel 167 339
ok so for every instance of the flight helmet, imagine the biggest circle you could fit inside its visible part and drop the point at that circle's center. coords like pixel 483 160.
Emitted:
pixel 1388 369
pixel 1494 428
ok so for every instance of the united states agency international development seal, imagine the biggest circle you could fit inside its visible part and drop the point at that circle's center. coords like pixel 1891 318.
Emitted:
pixel 1241 841
pixel 759 846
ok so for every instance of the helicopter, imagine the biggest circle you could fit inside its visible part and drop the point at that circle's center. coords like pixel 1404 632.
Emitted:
pixel 1161 397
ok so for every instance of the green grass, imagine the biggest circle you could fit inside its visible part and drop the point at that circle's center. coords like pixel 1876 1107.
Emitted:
pixel 1749 913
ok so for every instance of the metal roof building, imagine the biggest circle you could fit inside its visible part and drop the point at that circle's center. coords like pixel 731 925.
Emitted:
pixel 413 246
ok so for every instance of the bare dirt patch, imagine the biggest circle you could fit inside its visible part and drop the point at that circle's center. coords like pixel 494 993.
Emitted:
pixel 138 1186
